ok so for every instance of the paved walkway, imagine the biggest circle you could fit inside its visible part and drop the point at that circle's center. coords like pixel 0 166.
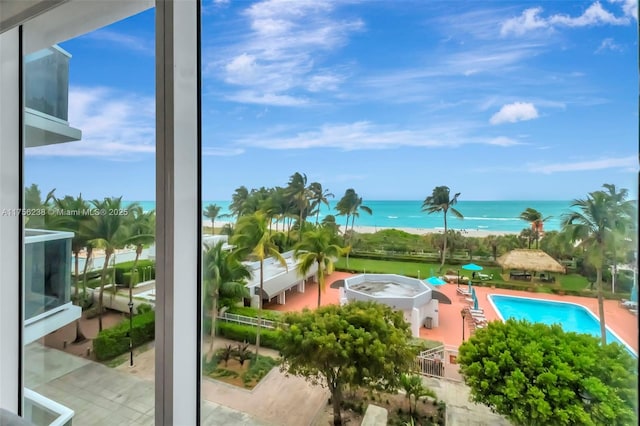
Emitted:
pixel 104 396
pixel 460 411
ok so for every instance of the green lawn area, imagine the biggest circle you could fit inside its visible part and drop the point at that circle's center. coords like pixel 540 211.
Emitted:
pixel 412 269
pixel 424 269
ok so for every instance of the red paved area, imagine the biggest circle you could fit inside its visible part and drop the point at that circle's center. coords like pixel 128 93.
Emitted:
pixel 449 331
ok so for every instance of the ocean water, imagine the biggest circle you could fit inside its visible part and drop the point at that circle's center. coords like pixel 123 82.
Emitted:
pixel 499 216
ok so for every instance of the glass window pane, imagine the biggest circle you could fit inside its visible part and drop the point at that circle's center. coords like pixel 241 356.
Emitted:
pixel 89 173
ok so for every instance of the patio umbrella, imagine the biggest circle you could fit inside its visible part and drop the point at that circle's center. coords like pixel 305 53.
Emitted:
pixel 470 288
pixel 634 293
pixel 475 301
pixel 435 281
pixel 472 267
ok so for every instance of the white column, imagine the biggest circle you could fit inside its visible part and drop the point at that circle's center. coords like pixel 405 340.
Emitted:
pixel 415 322
pixel 177 246
pixel 10 321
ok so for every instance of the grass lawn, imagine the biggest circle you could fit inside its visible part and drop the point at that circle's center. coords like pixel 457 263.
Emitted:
pixel 412 269
pixel 573 282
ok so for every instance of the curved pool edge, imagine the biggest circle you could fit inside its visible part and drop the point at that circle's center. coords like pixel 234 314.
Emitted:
pixel 594 316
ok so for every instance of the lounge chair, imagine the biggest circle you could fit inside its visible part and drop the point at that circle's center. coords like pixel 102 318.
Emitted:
pixel 484 277
pixel 629 304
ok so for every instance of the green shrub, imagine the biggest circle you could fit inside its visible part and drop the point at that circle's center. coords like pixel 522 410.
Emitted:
pixel 123 271
pixel 253 313
pixel 114 341
pixel 144 308
pixel 247 333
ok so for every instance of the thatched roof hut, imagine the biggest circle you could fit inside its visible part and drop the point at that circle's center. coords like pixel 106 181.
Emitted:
pixel 530 260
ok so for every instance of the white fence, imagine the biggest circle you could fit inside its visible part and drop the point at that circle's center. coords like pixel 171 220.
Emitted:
pixel 241 319
pixel 439 362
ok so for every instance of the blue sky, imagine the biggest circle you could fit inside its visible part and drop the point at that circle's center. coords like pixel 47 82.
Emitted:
pixel 498 100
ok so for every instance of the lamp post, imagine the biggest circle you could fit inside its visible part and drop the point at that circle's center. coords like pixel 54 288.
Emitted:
pixel 463 314
pixel 130 304
pixel 458 280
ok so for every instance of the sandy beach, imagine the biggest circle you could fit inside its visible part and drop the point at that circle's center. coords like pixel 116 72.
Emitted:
pixel 416 231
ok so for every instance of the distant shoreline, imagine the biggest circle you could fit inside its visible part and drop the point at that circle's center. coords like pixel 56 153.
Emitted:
pixel 480 233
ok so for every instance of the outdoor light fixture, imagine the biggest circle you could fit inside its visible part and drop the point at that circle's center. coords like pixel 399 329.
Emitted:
pixel 463 313
pixel 586 397
pixel 130 304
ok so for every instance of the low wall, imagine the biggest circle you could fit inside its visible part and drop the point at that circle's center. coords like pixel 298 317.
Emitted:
pixel 375 416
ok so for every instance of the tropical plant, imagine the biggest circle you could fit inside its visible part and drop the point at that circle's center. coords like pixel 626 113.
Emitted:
pixel 590 225
pixel 211 212
pixel 316 248
pixel 538 374
pixel 534 217
pixel 70 214
pixel 252 238
pixel 441 201
pixel 238 201
pixel 349 206
pixel 297 192
pixel 622 217
pixel 362 344
pixel 224 277
pixel 108 229
pixel 414 389
pixel 319 196
pixel 528 235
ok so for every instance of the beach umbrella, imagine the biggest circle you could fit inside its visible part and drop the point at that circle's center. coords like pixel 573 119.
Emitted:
pixel 435 281
pixel 472 267
pixel 470 288
pixel 634 293
pixel 475 301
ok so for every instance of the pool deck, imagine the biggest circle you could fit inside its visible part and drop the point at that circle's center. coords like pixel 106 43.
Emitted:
pixel 449 331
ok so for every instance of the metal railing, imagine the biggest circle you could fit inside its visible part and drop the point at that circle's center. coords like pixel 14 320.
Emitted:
pixel 241 319
pixel 438 362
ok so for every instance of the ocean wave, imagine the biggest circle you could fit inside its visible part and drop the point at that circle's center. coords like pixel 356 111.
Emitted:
pixel 493 218
pixel 392 217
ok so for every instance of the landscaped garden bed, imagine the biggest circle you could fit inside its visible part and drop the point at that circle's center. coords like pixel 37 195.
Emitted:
pixel 239 366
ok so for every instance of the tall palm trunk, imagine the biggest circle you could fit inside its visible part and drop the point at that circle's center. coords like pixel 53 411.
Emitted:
pixel 603 327
pixel 320 274
pixel 103 281
pixel 444 246
pixel 214 317
pixel 85 270
pixel 80 337
pixel 260 307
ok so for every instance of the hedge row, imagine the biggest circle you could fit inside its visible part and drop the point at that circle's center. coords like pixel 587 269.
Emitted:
pixel 123 270
pixel 114 341
pixel 554 290
pixel 247 333
pixel 253 313
pixel 451 260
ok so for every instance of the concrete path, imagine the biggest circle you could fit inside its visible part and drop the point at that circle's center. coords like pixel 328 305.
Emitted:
pixel 461 411
pixel 104 396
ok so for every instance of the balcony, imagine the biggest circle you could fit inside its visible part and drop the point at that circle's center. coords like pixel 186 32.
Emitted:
pixel 47 278
pixel 46 81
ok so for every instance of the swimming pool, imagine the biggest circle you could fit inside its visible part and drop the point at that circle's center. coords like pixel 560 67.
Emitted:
pixel 570 316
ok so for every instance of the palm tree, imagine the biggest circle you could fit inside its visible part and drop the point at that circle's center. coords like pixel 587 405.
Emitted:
pixel 534 217
pixel 345 206
pixel 224 277
pixel 211 212
pixel 238 201
pixel 316 248
pixel 590 225
pixel 528 235
pixel 297 192
pixel 441 201
pixel 72 218
pixel 319 196
pixel 142 227
pixel 622 214
pixel 109 230
pixel 252 238
pixel 357 206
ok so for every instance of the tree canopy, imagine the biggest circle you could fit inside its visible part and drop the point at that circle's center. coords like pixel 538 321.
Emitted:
pixel 536 374
pixel 358 344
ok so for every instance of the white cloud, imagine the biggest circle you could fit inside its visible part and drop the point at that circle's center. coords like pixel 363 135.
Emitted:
pixel 252 97
pixel 629 7
pixel 281 50
pixel 364 135
pixel 221 151
pixel 625 163
pixel 531 20
pixel 138 44
pixel 115 125
pixel 503 141
pixel 517 111
pixel 608 44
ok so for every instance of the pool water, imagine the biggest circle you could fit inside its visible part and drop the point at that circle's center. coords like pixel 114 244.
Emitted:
pixel 570 316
